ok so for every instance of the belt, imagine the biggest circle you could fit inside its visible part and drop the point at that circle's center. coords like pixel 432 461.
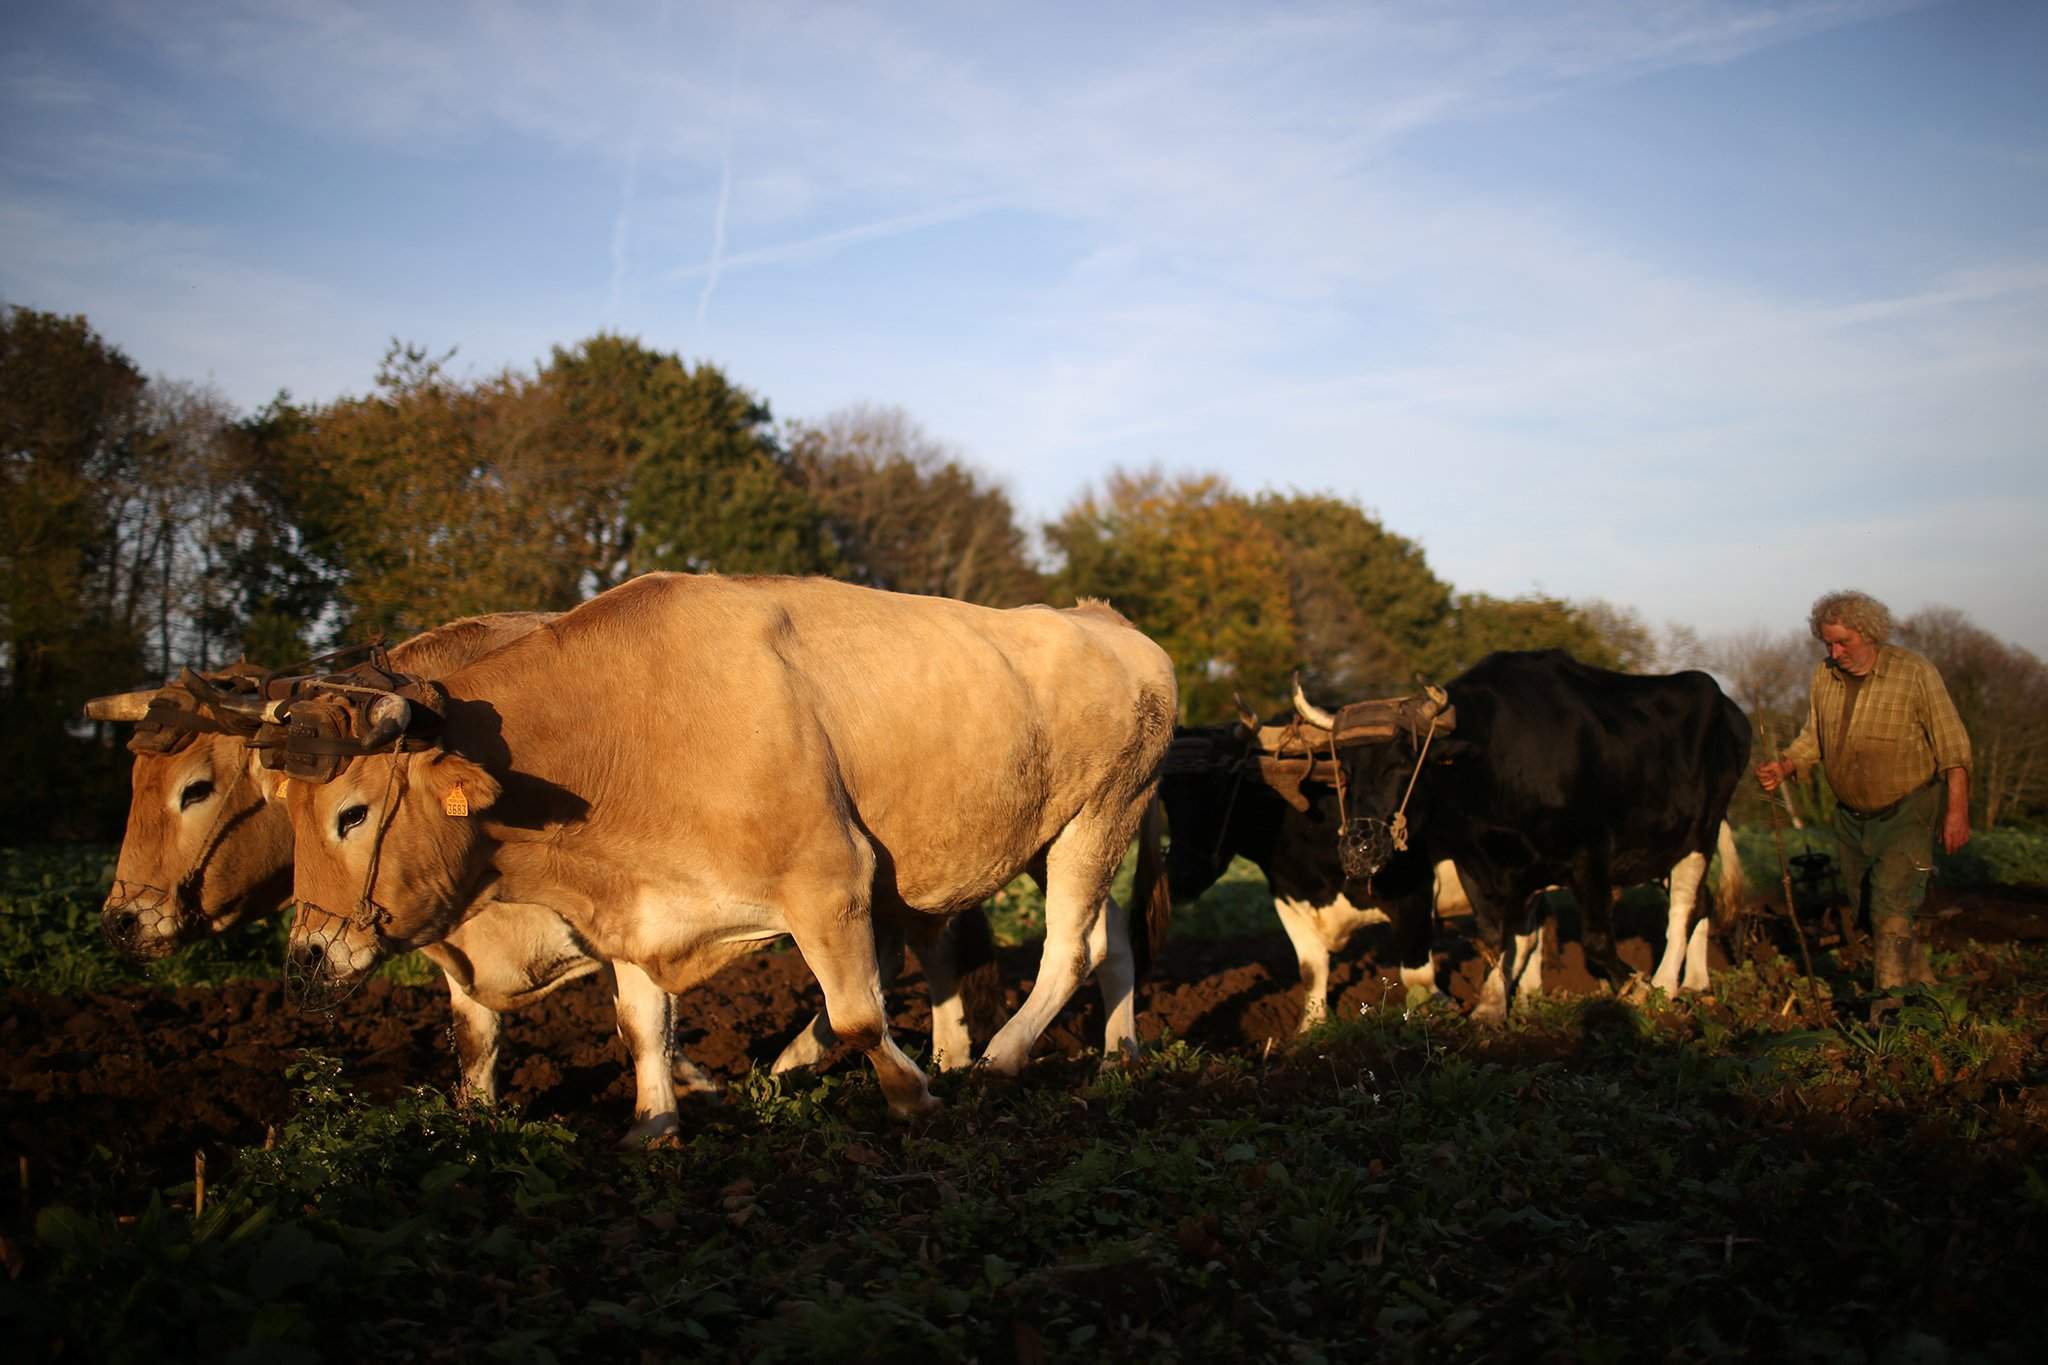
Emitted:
pixel 1883 812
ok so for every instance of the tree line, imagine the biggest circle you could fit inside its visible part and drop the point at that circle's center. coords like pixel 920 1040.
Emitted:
pixel 148 526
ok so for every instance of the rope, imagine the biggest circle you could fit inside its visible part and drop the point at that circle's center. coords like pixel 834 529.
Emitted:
pixel 369 914
pixel 1399 824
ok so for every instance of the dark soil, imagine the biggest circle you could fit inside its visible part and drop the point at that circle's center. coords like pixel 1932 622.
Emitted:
pixel 145 1077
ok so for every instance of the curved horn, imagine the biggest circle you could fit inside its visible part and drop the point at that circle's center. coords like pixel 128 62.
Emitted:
pixel 387 718
pixel 1309 711
pixel 250 706
pixel 1245 714
pixel 120 706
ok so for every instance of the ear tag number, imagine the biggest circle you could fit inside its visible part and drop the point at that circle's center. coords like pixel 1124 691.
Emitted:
pixel 457 801
pixel 284 785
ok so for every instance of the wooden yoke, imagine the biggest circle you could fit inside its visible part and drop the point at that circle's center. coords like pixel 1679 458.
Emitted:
pixel 1286 756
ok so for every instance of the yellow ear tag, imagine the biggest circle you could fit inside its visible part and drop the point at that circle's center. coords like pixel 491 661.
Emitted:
pixel 457 801
pixel 284 785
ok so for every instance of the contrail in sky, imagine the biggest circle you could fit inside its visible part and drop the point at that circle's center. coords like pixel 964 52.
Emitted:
pixel 622 226
pixel 717 261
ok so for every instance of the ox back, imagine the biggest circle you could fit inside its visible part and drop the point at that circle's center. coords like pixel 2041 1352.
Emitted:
pixel 1558 772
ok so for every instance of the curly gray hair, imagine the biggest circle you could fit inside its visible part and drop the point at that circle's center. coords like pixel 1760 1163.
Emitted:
pixel 1859 611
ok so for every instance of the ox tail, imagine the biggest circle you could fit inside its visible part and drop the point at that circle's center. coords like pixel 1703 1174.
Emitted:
pixel 1731 888
pixel 971 944
pixel 1151 897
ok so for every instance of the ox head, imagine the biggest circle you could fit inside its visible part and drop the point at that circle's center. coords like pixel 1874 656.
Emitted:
pixel 1382 747
pixel 386 852
pixel 203 848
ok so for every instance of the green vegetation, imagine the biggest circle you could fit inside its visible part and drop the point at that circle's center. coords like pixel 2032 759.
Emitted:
pixel 1730 1180
pixel 50 932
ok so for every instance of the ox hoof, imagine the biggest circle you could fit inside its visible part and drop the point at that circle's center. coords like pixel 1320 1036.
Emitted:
pixel 910 1111
pixel 660 1130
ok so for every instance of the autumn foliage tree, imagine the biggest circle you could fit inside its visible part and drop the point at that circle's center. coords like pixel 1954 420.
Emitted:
pixel 2001 692
pixel 1191 564
pixel 906 514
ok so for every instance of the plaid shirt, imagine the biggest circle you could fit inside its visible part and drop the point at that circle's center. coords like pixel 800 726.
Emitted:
pixel 1903 732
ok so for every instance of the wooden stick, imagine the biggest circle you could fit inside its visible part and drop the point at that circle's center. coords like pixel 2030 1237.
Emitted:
pixel 198 1183
pixel 1785 876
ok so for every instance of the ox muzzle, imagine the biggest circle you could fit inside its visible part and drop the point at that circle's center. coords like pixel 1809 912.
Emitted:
pixel 1365 844
pixel 331 956
pixel 142 923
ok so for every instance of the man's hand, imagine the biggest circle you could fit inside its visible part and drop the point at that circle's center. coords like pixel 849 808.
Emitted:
pixel 1955 830
pixel 1769 775
pixel 1955 825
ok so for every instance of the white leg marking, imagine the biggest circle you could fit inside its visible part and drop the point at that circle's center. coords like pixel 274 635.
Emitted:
pixel 1116 978
pixel 476 1044
pixel 1420 982
pixel 1529 962
pixel 1685 888
pixel 1493 996
pixel 1696 978
pixel 646 1026
pixel 1299 920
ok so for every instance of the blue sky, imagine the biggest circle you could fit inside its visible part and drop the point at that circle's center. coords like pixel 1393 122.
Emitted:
pixel 1702 308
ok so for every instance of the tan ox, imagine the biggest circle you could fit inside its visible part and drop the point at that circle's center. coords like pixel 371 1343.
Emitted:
pixel 688 765
pixel 207 845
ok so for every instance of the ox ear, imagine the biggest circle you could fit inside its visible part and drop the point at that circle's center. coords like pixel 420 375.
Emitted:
pixel 270 782
pixel 460 786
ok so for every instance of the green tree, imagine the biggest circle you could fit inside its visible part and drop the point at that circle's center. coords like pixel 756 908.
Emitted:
pixel 1191 564
pixel 905 514
pixel 70 419
pixel 2001 692
pixel 410 498
pixel 1479 624
pixel 713 490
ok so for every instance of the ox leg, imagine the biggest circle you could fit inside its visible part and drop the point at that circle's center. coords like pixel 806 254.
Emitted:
pixel 475 1033
pixel 1414 917
pixel 1116 977
pixel 1595 893
pixel 952 1044
pixel 1685 889
pixel 838 943
pixel 1299 920
pixel 817 1040
pixel 1528 978
pixel 1079 916
pixel 647 1028
pixel 1495 996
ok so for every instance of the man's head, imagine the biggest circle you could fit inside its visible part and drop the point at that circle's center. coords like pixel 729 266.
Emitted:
pixel 1850 626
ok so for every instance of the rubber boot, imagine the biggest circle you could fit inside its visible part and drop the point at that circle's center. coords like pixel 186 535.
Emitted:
pixel 1892 957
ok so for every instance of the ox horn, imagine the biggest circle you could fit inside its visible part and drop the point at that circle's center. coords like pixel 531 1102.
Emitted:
pixel 1245 714
pixel 121 705
pixel 252 706
pixel 387 718
pixel 1309 711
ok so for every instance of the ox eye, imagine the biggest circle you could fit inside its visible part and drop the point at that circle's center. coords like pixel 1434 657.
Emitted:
pixel 349 819
pixel 194 793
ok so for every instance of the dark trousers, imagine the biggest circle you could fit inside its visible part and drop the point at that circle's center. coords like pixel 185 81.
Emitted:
pixel 1892 852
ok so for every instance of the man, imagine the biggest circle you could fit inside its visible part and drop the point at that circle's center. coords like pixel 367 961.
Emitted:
pixel 1881 723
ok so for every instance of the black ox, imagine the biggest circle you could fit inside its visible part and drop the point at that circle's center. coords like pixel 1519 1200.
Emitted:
pixel 1554 772
pixel 1219 806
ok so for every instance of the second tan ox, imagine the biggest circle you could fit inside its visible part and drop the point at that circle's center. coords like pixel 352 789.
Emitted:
pixel 687 766
pixel 208 845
